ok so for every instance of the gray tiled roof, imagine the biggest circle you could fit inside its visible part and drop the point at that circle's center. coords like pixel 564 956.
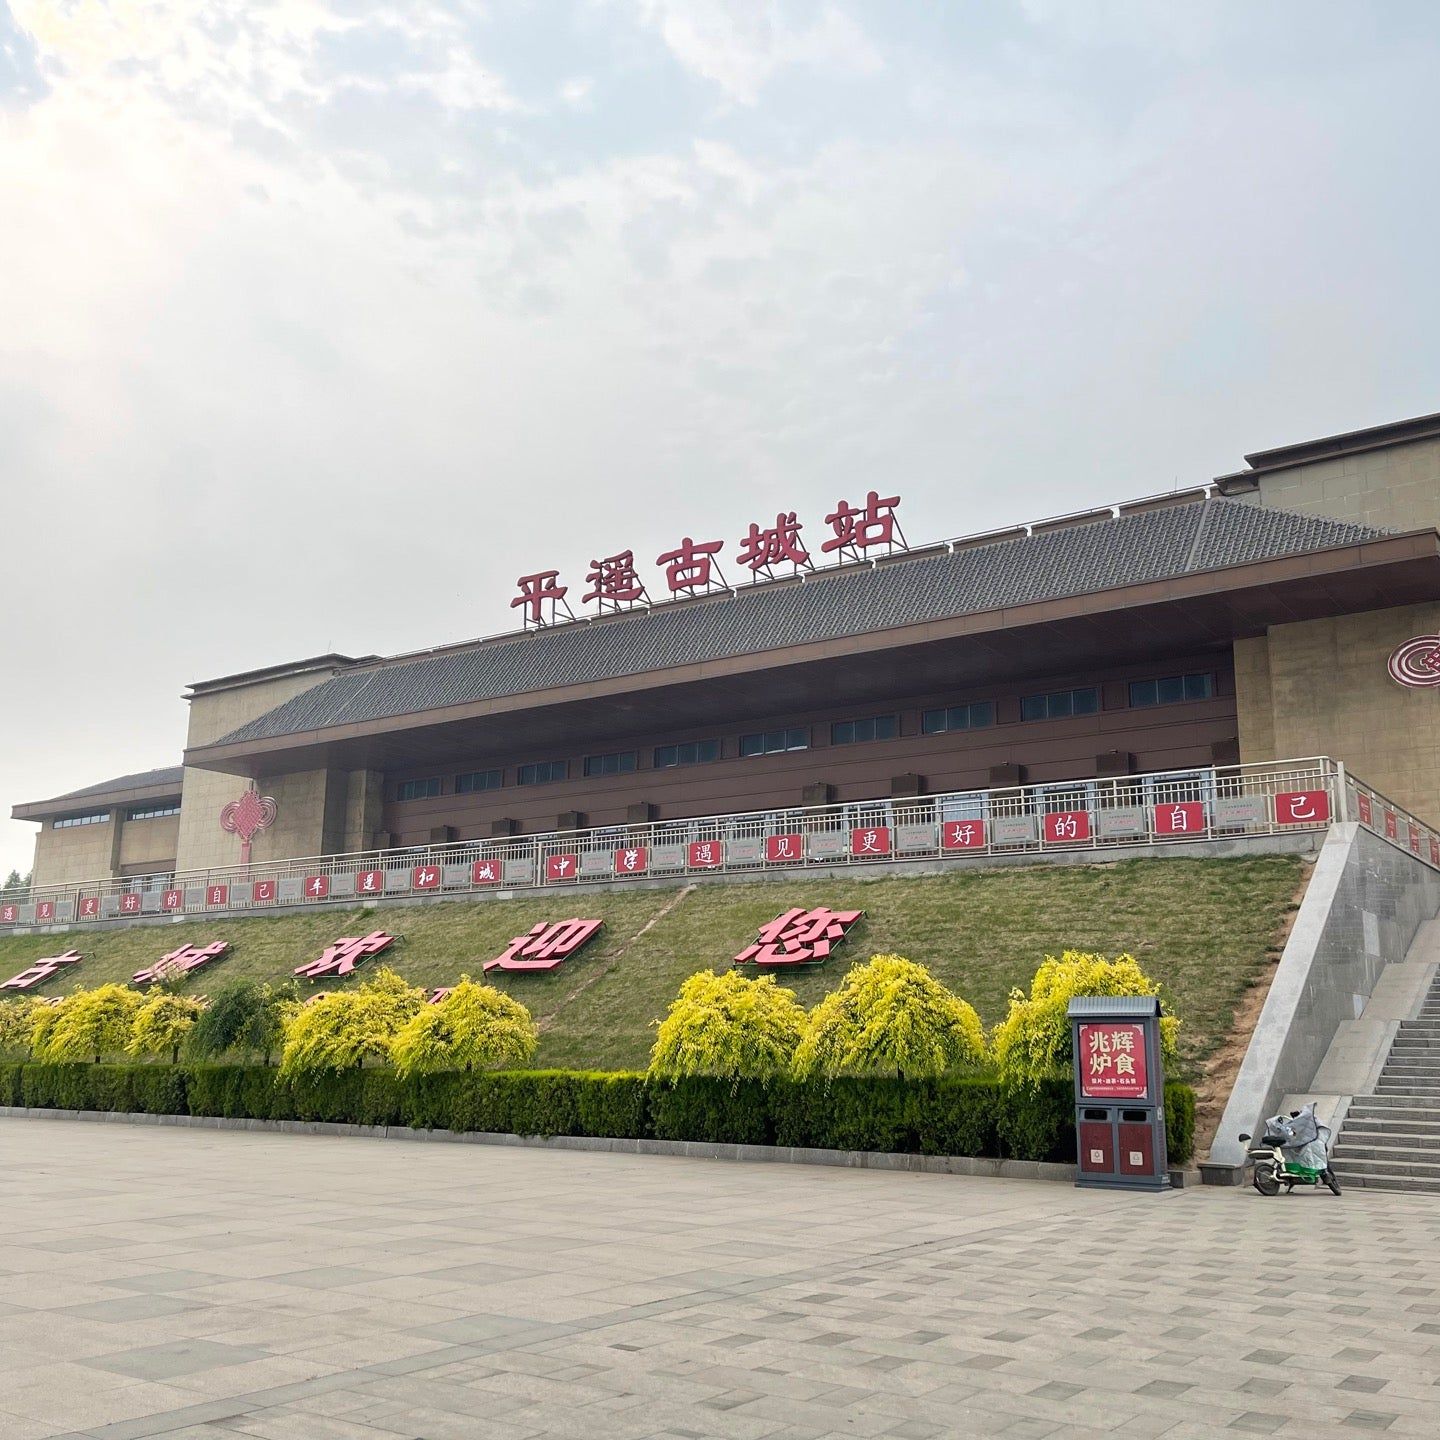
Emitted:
pixel 142 780
pixel 1077 560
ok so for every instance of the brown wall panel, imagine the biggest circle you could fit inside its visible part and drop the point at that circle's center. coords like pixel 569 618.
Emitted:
pixel 1160 737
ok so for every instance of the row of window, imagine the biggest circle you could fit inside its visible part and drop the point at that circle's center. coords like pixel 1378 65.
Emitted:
pixel 153 812
pixel 69 822
pixel 978 715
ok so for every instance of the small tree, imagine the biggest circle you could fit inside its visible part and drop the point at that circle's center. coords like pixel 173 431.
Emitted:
pixel 345 1028
pixel 890 1016
pixel 244 1017
pixel 1032 1043
pixel 728 1025
pixel 17 1025
pixel 87 1025
pixel 161 1024
pixel 474 1027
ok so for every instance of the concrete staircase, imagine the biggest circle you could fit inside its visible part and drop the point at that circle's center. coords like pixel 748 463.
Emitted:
pixel 1391 1138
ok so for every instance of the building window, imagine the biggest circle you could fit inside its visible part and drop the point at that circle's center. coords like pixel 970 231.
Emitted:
pixel 975 716
pixel 1061 704
pixel 68 822
pixel 1171 690
pixel 543 772
pixel 418 789
pixel 153 812
pixel 622 762
pixel 475 780
pixel 692 752
pixel 873 727
pixel 775 742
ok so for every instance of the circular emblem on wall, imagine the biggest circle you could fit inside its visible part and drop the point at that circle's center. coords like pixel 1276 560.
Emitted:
pixel 1417 662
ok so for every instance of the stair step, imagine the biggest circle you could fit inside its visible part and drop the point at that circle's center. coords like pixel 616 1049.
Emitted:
pixel 1367 1132
pixel 1406 1087
pixel 1390 1123
pixel 1389 1165
pixel 1366 1180
pixel 1349 1153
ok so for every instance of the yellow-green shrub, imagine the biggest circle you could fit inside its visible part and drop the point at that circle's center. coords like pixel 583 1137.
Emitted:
pixel 729 1026
pixel 161 1025
pixel 345 1028
pixel 86 1025
pixel 1032 1043
pixel 891 1016
pixel 17 1024
pixel 475 1027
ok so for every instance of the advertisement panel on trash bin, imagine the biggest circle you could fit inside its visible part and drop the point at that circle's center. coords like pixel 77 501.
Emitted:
pixel 1111 1062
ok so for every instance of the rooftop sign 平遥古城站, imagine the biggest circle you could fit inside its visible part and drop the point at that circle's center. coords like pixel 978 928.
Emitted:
pixel 693 566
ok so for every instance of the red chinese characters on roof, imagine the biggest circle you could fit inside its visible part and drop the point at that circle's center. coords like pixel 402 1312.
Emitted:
pixel 344 955
pixel 546 946
pixel 541 597
pixel 180 962
pixel 41 970
pixel 858 530
pixel 692 566
pixel 761 550
pixel 614 582
pixel 799 937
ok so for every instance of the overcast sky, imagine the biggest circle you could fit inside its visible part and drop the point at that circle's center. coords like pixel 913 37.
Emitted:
pixel 321 321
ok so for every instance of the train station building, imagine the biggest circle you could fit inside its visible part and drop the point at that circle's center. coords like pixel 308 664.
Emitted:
pixel 1288 610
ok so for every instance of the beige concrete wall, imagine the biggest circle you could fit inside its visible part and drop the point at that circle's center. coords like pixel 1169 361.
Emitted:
pixel 151 843
pixel 299 827
pixel 1329 694
pixel 85 852
pixel 364 809
pixel 1395 488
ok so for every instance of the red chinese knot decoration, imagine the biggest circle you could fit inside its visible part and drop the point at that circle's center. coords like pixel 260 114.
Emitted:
pixel 247 817
pixel 1416 663
pixel 545 946
pixel 799 937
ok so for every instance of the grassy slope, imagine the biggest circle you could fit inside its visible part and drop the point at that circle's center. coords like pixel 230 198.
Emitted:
pixel 1202 927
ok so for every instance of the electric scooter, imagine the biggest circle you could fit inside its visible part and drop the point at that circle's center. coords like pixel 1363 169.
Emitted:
pixel 1286 1154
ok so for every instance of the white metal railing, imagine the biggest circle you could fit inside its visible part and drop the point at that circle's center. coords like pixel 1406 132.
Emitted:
pixel 1101 814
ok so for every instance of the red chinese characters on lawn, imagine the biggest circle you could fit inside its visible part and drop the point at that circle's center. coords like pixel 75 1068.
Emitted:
pixel 1184 817
pixel 707 854
pixel 344 955
pixel 545 946
pixel 784 849
pixel 41 970
pixel 870 840
pixel 634 861
pixel 180 962
pixel 962 835
pixel 1304 807
pixel 1066 827
pixel 799 937
pixel 1112 1061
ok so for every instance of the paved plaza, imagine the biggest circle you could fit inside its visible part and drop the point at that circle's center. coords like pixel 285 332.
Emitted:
pixel 193 1283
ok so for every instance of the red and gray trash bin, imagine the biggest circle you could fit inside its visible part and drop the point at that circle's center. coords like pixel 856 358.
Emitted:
pixel 1119 1092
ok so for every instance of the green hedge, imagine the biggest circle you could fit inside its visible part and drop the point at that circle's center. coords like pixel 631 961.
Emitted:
pixel 928 1117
